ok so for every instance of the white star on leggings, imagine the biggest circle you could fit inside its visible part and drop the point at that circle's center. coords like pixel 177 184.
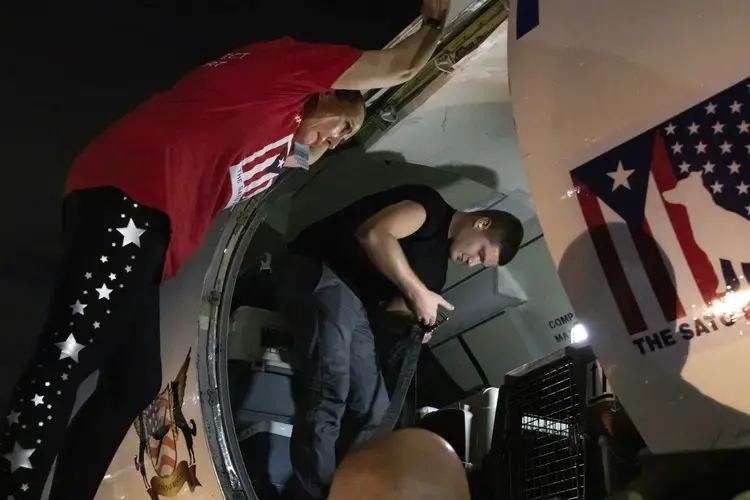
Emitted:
pixel 78 308
pixel 13 417
pixel 131 234
pixel 70 348
pixel 19 457
pixel 103 291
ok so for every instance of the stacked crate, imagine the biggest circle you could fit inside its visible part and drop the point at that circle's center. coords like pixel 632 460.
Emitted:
pixel 548 450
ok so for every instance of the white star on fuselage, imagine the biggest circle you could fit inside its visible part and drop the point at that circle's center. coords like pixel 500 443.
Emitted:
pixel 620 177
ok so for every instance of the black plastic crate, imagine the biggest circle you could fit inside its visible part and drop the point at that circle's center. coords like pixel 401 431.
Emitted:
pixel 546 451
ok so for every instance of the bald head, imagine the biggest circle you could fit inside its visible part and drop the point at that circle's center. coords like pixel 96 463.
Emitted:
pixel 411 464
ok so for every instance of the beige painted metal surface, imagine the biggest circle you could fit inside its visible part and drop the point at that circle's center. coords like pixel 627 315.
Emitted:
pixel 589 77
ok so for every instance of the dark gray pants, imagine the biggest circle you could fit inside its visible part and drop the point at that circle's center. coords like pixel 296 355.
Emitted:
pixel 336 354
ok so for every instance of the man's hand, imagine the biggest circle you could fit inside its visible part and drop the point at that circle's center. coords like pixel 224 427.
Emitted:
pixel 398 309
pixel 424 303
pixel 385 68
pixel 436 9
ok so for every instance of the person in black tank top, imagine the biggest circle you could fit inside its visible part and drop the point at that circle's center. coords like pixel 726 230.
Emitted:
pixel 387 251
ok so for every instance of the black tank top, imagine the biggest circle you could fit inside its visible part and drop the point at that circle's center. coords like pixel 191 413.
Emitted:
pixel 333 241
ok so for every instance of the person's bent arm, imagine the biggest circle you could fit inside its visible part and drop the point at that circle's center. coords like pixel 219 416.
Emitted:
pixel 379 237
pixel 386 68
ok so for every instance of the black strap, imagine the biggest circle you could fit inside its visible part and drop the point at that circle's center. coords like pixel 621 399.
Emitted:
pixel 405 376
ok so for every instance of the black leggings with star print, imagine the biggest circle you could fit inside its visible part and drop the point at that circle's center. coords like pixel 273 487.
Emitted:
pixel 104 315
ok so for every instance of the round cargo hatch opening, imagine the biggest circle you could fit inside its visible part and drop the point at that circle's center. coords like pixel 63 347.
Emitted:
pixel 214 343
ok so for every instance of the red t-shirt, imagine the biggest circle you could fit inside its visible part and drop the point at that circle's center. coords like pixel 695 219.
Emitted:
pixel 219 136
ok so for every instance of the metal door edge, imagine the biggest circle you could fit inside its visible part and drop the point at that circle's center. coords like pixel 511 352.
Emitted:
pixel 211 359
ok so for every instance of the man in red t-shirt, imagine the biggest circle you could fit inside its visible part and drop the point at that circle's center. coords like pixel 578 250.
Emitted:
pixel 138 202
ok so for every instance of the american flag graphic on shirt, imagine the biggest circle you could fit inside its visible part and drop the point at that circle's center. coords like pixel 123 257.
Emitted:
pixel 683 191
pixel 256 172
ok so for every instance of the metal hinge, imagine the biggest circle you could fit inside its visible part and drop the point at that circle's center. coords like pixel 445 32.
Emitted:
pixel 386 110
pixel 214 297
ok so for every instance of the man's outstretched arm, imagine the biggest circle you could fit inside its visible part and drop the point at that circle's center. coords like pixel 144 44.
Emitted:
pixel 386 68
